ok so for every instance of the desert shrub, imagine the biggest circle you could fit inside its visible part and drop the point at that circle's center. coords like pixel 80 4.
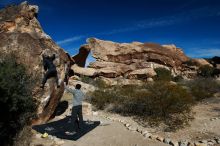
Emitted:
pixel 190 62
pixel 155 102
pixel 162 74
pixel 206 71
pixel 100 83
pixel 216 72
pixel 169 103
pixel 168 98
pixel 202 88
pixel 24 137
pixel 114 94
pixel 87 79
pixel 177 78
pixel 16 103
pixel 102 98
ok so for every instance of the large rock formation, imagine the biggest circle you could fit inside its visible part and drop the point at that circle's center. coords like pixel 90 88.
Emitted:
pixel 21 33
pixel 134 60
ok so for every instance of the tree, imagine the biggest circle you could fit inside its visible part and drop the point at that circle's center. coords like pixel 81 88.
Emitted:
pixel 17 105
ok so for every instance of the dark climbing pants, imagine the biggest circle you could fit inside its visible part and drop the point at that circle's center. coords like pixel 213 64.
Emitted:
pixel 77 118
pixel 49 74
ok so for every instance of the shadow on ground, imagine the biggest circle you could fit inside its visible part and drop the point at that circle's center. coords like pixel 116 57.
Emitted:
pixel 60 109
pixel 64 129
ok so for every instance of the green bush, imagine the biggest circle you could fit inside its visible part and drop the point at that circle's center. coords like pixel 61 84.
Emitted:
pixel 206 71
pixel 155 102
pixel 87 79
pixel 190 63
pixel 169 99
pixel 202 88
pixel 170 103
pixel 102 98
pixel 162 74
pixel 177 78
pixel 16 103
pixel 100 83
pixel 24 137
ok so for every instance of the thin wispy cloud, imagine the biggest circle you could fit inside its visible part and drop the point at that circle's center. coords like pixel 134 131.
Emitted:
pixel 145 24
pixel 190 15
pixel 116 31
pixel 138 26
pixel 202 53
pixel 167 20
pixel 70 40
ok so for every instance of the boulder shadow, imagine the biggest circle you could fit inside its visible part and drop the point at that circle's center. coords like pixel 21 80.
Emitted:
pixel 61 108
pixel 64 129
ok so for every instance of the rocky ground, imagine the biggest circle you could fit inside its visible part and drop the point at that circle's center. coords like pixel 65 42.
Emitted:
pixel 124 131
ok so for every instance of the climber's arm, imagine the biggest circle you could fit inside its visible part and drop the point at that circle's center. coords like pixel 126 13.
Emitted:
pixel 44 62
pixel 69 89
pixel 53 57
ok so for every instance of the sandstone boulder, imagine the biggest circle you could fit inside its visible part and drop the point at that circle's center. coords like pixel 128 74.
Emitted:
pixel 21 34
pixel 121 81
pixel 84 71
pixel 86 88
pixel 128 53
pixel 138 60
pixel 200 62
pixel 142 73
pixel 132 60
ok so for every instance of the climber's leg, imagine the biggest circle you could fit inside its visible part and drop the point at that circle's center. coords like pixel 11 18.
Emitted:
pixel 46 76
pixel 49 74
pixel 66 79
pixel 57 80
pixel 53 73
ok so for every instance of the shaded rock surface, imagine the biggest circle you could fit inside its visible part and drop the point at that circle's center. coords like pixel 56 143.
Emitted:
pixel 21 33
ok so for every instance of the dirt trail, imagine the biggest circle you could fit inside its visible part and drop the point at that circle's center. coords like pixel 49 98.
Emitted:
pixel 112 133
pixel 108 133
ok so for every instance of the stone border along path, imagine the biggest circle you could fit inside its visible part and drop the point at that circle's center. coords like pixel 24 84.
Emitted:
pixel 169 141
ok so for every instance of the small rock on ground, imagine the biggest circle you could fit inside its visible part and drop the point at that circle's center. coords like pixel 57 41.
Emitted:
pixel 160 139
pixel 167 140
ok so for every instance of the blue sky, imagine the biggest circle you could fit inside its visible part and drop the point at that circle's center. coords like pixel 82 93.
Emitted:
pixel 193 25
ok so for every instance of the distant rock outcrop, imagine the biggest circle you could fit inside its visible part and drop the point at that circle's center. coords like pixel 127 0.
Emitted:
pixel 21 33
pixel 136 60
pixel 215 61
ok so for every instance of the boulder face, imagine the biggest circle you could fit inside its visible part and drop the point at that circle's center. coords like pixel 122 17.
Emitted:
pixel 21 34
pixel 134 60
pixel 168 55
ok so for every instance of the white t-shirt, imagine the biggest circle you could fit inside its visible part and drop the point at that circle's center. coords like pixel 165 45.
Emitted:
pixel 78 96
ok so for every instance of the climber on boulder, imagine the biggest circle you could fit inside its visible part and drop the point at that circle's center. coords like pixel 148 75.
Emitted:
pixel 50 69
pixel 67 72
